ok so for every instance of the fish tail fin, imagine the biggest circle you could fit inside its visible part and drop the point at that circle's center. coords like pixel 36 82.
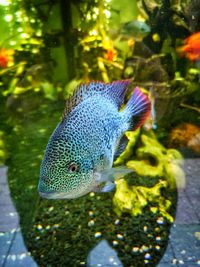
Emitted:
pixel 137 109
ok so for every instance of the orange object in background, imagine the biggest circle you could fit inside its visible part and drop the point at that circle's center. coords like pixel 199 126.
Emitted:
pixel 191 49
pixel 6 57
pixel 185 135
pixel 111 53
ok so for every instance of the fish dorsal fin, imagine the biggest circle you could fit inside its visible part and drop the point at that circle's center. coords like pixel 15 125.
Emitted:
pixel 114 91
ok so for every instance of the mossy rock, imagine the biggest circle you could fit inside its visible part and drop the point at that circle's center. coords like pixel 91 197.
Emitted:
pixel 133 199
pixel 154 160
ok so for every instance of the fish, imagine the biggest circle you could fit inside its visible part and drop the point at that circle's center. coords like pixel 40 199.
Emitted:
pixel 136 29
pixel 132 30
pixel 191 48
pixel 80 153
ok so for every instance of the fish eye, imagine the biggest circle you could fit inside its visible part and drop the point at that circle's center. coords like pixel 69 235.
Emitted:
pixel 73 167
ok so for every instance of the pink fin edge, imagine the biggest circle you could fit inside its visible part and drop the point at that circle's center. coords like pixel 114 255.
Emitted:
pixel 143 98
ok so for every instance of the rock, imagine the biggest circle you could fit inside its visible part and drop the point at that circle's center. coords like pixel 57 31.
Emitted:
pixel 158 168
pixel 185 135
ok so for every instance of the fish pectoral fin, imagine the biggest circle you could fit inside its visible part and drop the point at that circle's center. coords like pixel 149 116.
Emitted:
pixel 112 174
pixel 108 187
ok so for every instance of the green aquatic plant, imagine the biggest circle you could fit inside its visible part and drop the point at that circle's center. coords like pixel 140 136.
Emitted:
pixel 166 19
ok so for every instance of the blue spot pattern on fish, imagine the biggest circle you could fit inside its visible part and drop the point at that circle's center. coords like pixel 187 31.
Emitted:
pixel 79 155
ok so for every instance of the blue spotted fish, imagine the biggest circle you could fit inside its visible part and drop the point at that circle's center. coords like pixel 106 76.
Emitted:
pixel 80 153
